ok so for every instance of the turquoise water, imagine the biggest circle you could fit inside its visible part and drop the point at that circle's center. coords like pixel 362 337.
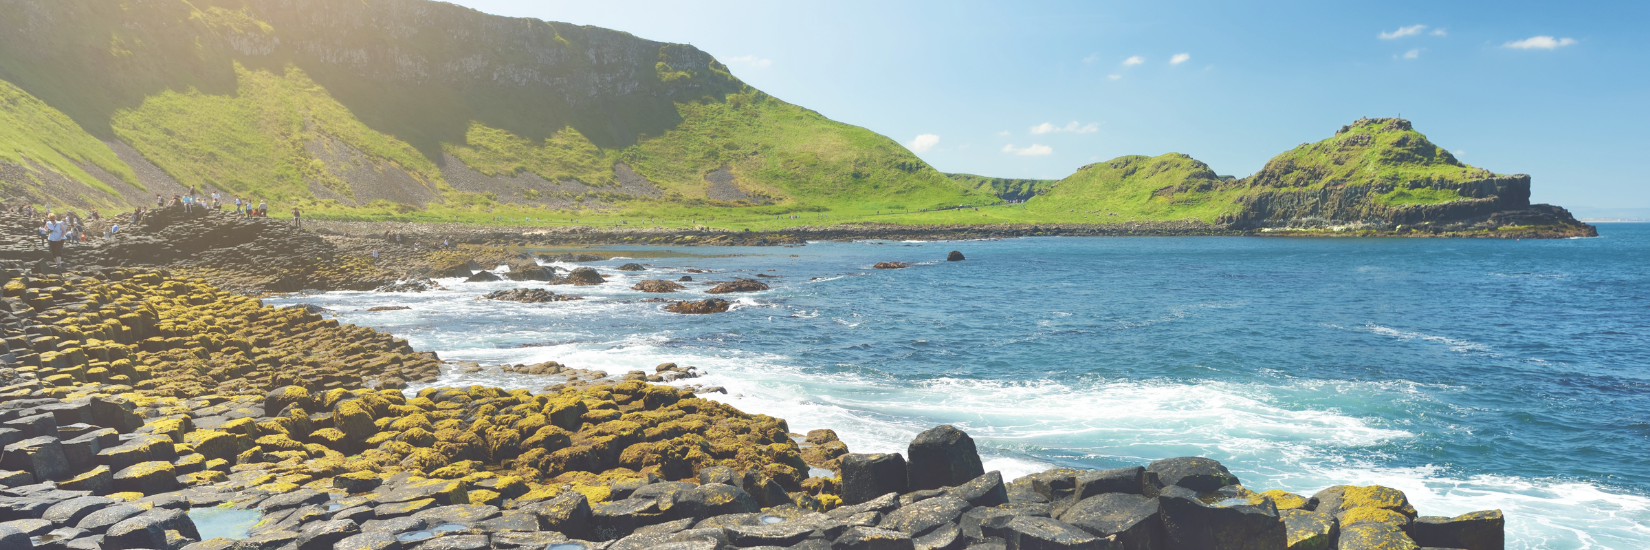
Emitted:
pixel 223 522
pixel 1470 374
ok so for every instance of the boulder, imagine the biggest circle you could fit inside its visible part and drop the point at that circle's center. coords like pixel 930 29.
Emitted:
pixel 1190 524
pixel 568 513
pixel 12 539
pixel 868 476
pixel 529 296
pixel 533 273
pixel 584 276
pixel 986 490
pixel 40 456
pixel 712 500
pixel 657 285
pixel 371 541
pixel 483 277
pixel 69 512
pixel 155 476
pixel 1484 530
pixel 1374 536
pixel 150 530
pixel 631 267
pixel 702 307
pixel 1192 472
pixel 1132 520
pixel 954 256
pixel 100 520
pixel 891 265
pixel 1308 530
pixel 942 456
pixel 738 285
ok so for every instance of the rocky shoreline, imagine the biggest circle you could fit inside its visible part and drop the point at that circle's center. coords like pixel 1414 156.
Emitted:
pixel 134 397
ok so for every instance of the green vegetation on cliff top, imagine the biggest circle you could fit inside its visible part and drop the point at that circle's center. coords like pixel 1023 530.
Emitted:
pixel 258 102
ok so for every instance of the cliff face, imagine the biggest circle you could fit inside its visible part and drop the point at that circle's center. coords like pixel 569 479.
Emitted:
pixel 1361 204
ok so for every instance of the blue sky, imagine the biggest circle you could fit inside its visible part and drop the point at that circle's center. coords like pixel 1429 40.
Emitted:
pixel 1557 90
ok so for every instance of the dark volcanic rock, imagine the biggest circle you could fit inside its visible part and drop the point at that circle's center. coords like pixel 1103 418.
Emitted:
pixel 954 256
pixel 532 273
pixel 529 295
pixel 1192 525
pixel 657 285
pixel 942 456
pixel 483 277
pixel 868 476
pixel 713 305
pixel 584 276
pixel 739 285
pixel 1192 472
pixel 891 265
pixel 1474 531
pixel 631 267
pixel 1132 518
pixel 412 285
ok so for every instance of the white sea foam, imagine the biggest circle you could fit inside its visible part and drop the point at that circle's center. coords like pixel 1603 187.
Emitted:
pixel 1024 427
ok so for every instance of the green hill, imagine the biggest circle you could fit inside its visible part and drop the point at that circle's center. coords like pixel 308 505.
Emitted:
pixel 414 109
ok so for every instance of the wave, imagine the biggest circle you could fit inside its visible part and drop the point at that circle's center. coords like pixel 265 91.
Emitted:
pixel 1456 345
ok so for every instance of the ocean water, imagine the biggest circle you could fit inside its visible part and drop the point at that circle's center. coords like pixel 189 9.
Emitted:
pixel 1471 374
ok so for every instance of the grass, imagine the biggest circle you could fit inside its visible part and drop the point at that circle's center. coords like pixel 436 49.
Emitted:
pixel 1385 152
pixel 30 130
pixel 230 94
pixel 254 143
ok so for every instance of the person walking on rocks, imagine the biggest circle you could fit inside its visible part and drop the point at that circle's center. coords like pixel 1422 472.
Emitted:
pixel 295 221
pixel 55 233
pixel 159 202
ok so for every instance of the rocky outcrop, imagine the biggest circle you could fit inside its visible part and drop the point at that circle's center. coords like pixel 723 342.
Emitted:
pixel 1487 203
pixel 701 307
pixel 891 265
pixel 529 296
pixel 657 285
pixel 739 285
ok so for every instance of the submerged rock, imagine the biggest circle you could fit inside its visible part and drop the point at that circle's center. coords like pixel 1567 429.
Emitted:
pixel 891 265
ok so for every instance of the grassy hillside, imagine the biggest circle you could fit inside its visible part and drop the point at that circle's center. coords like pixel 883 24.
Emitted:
pixel 1384 151
pixel 1008 189
pixel 351 115
pixel 1165 187
pixel 35 137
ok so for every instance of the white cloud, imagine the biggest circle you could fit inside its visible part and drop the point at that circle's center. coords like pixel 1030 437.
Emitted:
pixel 1459 152
pixel 1411 30
pixel 1439 32
pixel 1179 58
pixel 752 61
pixel 1539 43
pixel 1073 127
pixel 1030 151
pixel 1114 76
pixel 923 143
pixel 1092 58
pixel 1134 60
pixel 1412 54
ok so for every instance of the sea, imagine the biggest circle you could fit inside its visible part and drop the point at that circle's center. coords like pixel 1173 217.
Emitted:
pixel 1470 374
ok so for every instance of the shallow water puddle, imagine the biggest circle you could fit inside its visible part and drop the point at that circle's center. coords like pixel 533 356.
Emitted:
pixel 226 523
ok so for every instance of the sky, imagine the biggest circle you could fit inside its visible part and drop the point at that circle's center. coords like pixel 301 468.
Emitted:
pixel 1557 90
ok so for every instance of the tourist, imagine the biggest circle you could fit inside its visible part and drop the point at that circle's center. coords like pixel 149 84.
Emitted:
pixel 374 254
pixel 295 222
pixel 263 208
pixel 54 232
pixel 159 202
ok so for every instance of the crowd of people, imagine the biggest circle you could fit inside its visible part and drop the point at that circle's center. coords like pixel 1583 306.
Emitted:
pixel 58 231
